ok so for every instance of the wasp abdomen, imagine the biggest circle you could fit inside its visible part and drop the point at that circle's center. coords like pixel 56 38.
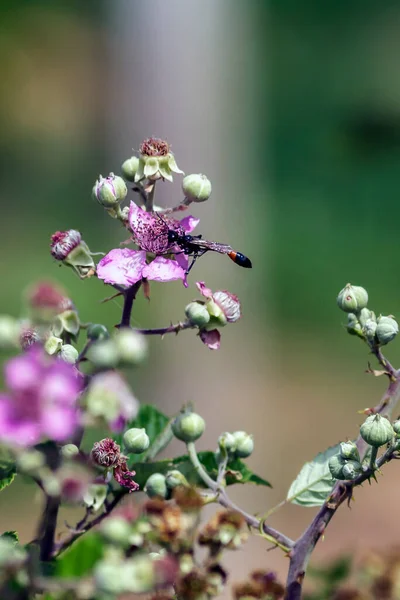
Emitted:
pixel 240 259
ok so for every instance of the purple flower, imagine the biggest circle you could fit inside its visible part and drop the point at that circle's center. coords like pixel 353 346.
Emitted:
pixel 107 454
pixel 124 266
pixel 41 401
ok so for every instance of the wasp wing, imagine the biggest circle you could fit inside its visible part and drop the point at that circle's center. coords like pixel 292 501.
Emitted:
pixel 213 246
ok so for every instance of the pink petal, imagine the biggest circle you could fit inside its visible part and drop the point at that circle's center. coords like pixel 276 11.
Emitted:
pixel 122 266
pixel 205 291
pixel 183 261
pixel 163 269
pixel 189 223
pixel 212 338
pixel 58 423
pixel 22 372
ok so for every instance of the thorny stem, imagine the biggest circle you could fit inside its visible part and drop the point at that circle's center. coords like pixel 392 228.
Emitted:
pixel 129 298
pixel 304 546
pixel 171 329
pixel 222 497
pixel 47 528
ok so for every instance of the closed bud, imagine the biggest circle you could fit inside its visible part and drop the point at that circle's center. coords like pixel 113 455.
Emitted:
pixel 366 314
pixel 353 325
pixel 196 187
pixel 96 331
pixel 30 462
pixel 197 314
pixel 351 469
pixel 336 464
pixel 218 318
pixel 9 332
pixel 103 354
pixel 349 451
pixel 352 298
pixel 69 451
pixel 12 555
pixel 110 191
pixel 386 329
pixel 175 479
pixel 130 167
pixel 396 428
pixel 376 431
pixel 370 329
pixel 244 444
pixel 156 486
pixel 228 442
pixel 138 575
pixel 69 354
pixel 68 247
pixel 116 530
pixel 136 440
pixel 131 346
pixel 188 427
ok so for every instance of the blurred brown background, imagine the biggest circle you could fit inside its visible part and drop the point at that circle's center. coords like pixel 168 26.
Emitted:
pixel 294 115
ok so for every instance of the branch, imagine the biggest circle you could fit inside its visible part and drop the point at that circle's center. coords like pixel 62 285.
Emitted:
pixel 171 329
pixel 129 298
pixel 47 528
pixel 306 543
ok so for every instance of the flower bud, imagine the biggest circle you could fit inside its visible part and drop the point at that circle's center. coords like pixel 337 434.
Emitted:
pixel 53 345
pixel 69 354
pixel 351 469
pixel 175 479
pixel 396 428
pixel 353 325
pixel 244 444
pixel 12 555
pixel 197 314
pixel 227 441
pixel 130 167
pixel 95 496
pixel 349 451
pixel 69 247
pixel 196 187
pixel 386 329
pixel 131 346
pixel 376 431
pixel 9 332
pixel 67 321
pixel 370 329
pixel 69 451
pixel 156 486
pixel 110 191
pixel 116 530
pixel 103 354
pixel 364 315
pixel 138 575
pixel 336 464
pixel 30 462
pixel 352 298
pixel 218 318
pixel 188 427
pixel 96 331
pixel 136 440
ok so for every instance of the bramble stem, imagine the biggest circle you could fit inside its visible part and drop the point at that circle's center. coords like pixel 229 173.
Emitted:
pixel 149 204
pixel 48 528
pixel 171 329
pixel 129 298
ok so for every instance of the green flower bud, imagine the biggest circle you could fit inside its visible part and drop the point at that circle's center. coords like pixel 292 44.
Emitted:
pixel 103 354
pixel 366 314
pixel 96 331
pixel 196 187
pixel 95 495
pixel 175 478
pixel 138 575
pixel 69 354
pixel 386 329
pixel 30 462
pixel 197 314
pixel 376 431
pixel 110 191
pixel 107 577
pixel 53 345
pixel 244 444
pixel 67 321
pixel 116 530
pixel 370 329
pixel 131 346
pixel 351 469
pixel 136 440
pixel 353 325
pixel 188 427
pixel 336 464
pixel 396 428
pixel 349 451
pixel 218 317
pixel 228 442
pixel 69 451
pixel 12 555
pixel 130 167
pixel 352 298
pixel 9 332
pixel 156 486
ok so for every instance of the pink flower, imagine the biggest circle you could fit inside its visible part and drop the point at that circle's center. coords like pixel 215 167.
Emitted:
pixel 224 308
pixel 42 399
pixel 124 266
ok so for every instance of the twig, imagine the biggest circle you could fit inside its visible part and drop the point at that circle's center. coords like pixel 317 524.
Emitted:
pixel 47 528
pixel 129 298
pixel 171 329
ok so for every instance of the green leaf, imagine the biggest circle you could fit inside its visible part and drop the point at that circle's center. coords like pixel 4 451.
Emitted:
pixel 153 421
pixel 11 535
pixel 329 577
pixel 81 557
pixel 7 468
pixel 237 471
pixel 314 483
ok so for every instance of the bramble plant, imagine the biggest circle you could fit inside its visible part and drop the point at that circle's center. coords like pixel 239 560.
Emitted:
pixel 56 393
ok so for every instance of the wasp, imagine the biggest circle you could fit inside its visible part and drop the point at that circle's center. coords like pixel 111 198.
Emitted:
pixel 194 246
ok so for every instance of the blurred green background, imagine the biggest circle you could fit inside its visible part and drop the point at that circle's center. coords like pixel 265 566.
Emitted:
pixel 294 114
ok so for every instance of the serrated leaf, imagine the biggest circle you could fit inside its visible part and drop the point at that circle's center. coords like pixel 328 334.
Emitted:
pixel 237 470
pixel 11 535
pixel 7 468
pixel 314 483
pixel 152 420
pixel 81 557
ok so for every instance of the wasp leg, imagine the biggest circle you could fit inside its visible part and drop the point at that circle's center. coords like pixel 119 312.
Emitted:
pixel 195 255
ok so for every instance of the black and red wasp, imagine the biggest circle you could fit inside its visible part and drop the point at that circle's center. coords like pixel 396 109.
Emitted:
pixel 194 246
